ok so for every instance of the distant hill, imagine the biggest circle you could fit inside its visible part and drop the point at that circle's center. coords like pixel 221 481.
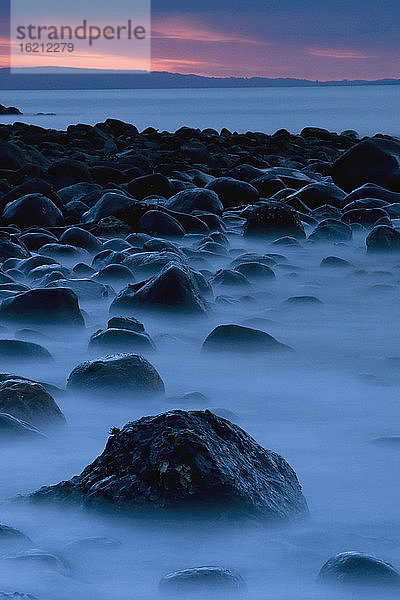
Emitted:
pixel 69 79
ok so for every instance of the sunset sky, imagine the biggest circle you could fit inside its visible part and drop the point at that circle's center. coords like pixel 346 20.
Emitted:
pixel 312 39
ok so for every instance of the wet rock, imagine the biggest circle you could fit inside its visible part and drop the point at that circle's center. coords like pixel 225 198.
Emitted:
pixel 331 230
pixel 109 205
pixel 267 185
pixel 233 192
pixel 126 323
pixel 202 580
pixel 11 350
pixel 227 277
pixel 65 253
pixel 34 241
pixel 239 339
pixel 12 539
pixel 66 171
pixel 147 185
pixel 371 190
pixel 35 556
pixel 187 461
pixel 355 568
pixel 9 110
pixel 54 307
pixel 188 201
pixel 383 239
pixel 302 300
pixel 29 402
pixel 75 236
pixel 10 427
pixel 255 270
pixel 272 220
pixel 10 249
pixel 174 288
pixel 156 222
pixel 32 209
pixel 335 262
pixel 374 160
pixel 114 274
pixel 365 216
pixel 120 340
pixel 318 194
pixel 127 373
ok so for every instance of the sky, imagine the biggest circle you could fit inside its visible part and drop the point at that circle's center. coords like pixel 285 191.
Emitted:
pixel 311 39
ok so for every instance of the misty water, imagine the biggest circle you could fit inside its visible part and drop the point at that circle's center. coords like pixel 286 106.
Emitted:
pixel 368 109
pixel 321 407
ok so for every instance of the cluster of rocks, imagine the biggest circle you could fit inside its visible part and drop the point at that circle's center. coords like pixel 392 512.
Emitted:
pixel 139 221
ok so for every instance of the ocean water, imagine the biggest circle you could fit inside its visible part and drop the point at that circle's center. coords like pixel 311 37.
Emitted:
pixel 369 109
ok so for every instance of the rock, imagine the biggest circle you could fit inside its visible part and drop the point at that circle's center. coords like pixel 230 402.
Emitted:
pixel 355 568
pixel 147 185
pixel 122 373
pixel 186 461
pixel 9 110
pixel 202 580
pixel 383 239
pixel 114 274
pixel 75 236
pixel 227 277
pixel 255 270
pixel 52 307
pixel 66 171
pixel 316 195
pixel 109 205
pixel 32 209
pixel 374 160
pixel 188 201
pixel 267 185
pixel 11 427
pixel 120 340
pixel 10 249
pixel 65 253
pixel 331 230
pixel 365 216
pixel 16 596
pixel 335 262
pixel 302 300
pixel 273 220
pixel 236 338
pixel 126 323
pixel 11 350
pixel 35 556
pixel 371 190
pixel 34 241
pixel 29 402
pixel 156 222
pixel 174 288
pixel 233 192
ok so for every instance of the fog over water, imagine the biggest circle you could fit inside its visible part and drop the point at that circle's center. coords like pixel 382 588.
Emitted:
pixel 321 407
pixel 368 109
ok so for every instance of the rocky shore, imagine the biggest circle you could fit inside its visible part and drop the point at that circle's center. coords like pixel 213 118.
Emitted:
pixel 149 233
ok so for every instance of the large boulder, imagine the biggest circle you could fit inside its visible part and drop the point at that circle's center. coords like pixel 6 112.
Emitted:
pixel 174 288
pixel 123 373
pixel 355 568
pixel 233 192
pixel 236 338
pixel 187 461
pixel 273 220
pixel 9 110
pixel 374 160
pixel 54 307
pixel 76 236
pixel 383 238
pixel 196 199
pixel 32 209
pixel 29 402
